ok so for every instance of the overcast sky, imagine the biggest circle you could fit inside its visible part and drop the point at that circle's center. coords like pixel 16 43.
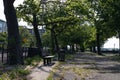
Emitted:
pixel 2 16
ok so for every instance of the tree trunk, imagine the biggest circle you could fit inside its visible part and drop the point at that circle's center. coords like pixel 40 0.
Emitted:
pixel 52 42
pixel 97 24
pixel 94 49
pixel 73 49
pixel 56 42
pixel 98 43
pixel 37 36
pixel 14 47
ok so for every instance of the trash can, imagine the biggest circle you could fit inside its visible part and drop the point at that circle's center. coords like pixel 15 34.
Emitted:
pixel 61 55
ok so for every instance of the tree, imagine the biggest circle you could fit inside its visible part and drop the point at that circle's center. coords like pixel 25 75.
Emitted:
pixel 56 20
pixel 14 47
pixel 30 12
pixel 111 16
pixel 95 12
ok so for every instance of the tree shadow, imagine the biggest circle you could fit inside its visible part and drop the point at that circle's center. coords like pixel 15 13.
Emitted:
pixel 43 67
pixel 103 64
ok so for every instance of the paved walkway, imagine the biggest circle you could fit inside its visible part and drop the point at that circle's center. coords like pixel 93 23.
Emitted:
pixel 40 72
pixel 101 67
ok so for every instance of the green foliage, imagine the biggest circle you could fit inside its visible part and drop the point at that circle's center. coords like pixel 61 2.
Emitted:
pixel 111 14
pixel 68 19
pixel 33 61
pixel 26 10
pixel 83 35
pixel 46 39
pixel 5 76
pixel 26 37
pixel 3 38
pixel 15 74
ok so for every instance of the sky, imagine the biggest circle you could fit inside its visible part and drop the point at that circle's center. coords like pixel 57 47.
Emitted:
pixel 110 43
pixel 16 3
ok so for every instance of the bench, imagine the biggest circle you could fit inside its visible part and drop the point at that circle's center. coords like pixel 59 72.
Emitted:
pixel 47 60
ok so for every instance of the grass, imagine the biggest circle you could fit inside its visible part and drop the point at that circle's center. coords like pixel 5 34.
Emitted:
pixel 32 61
pixel 55 69
pixel 19 72
pixel 83 73
pixel 15 74
pixel 116 58
pixel 69 56
pixel 50 77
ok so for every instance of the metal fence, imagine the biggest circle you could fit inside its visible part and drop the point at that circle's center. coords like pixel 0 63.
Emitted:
pixel 4 55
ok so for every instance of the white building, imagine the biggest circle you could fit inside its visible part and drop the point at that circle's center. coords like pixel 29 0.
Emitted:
pixel 3 26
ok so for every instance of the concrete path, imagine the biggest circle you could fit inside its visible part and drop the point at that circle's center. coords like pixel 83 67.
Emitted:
pixel 40 72
pixel 100 67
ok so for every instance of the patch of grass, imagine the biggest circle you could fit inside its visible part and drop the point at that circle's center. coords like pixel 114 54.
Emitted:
pixel 50 77
pixel 16 74
pixel 69 56
pixel 83 73
pixel 5 76
pixel 116 57
pixel 32 61
pixel 56 66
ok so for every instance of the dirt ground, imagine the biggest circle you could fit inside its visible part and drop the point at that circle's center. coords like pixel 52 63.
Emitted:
pixel 88 66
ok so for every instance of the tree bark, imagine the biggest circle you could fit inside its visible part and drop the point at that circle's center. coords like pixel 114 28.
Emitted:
pixel 52 42
pixel 37 36
pixel 56 43
pixel 14 43
pixel 98 43
pixel 97 24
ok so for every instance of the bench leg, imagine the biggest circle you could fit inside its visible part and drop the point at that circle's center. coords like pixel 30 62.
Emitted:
pixel 44 60
pixel 48 61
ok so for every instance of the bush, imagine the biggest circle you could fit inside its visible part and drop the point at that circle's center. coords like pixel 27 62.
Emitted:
pixel 5 76
pixel 33 61
pixel 16 74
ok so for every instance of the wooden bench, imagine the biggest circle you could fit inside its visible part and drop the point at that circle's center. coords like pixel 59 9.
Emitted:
pixel 47 60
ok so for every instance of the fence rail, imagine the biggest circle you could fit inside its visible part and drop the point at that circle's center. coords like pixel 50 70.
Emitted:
pixel 4 55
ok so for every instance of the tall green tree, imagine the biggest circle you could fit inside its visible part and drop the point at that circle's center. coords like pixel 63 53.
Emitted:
pixel 95 13
pixel 111 16
pixel 56 19
pixel 14 46
pixel 31 12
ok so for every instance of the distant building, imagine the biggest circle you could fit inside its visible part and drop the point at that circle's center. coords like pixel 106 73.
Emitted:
pixel 3 26
pixel 31 31
pixel 41 31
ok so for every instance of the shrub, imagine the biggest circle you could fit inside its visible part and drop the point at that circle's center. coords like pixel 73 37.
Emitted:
pixel 32 61
pixel 16 74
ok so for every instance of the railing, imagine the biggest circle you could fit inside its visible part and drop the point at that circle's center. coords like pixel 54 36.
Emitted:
pixel 4 55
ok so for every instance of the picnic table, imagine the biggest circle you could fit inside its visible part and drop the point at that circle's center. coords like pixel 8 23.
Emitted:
pixel 47 60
